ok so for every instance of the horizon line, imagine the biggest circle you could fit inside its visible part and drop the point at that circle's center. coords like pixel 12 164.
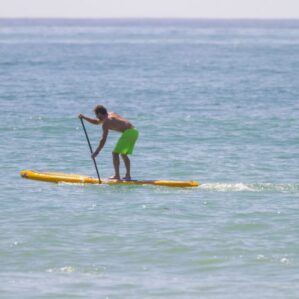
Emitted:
pixel 150 18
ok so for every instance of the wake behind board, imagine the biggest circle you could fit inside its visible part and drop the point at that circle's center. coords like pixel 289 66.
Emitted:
pixel 58 177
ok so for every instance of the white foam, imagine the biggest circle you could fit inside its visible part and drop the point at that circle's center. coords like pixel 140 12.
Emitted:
pixel 257 187
pixel 224 187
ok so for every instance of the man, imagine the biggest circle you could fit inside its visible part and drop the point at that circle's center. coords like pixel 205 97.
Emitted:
pixel 126 142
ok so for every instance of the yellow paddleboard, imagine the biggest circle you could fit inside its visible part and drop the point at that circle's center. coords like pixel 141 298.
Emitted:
pixel 58 177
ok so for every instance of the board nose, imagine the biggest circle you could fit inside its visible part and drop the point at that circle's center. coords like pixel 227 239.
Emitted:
pixel 23 173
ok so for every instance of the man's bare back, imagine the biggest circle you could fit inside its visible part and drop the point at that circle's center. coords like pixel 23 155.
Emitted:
pixel 116 122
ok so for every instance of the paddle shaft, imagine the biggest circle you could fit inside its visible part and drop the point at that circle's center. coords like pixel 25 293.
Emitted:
pixel 94 161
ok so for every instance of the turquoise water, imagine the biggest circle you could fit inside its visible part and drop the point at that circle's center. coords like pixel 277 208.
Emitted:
pixel 214 101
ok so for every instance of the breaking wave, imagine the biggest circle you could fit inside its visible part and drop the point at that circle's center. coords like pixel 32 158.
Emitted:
pixel 254 187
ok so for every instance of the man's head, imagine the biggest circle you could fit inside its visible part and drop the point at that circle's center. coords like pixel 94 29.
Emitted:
pixel 100 111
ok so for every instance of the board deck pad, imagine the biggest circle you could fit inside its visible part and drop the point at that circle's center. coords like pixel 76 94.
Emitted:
pixel 59 177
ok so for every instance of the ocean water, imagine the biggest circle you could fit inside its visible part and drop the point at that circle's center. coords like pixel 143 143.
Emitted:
pixel 215 101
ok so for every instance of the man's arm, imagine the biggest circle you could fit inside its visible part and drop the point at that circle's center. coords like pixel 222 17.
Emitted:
pixel 93 121
pixel 102 142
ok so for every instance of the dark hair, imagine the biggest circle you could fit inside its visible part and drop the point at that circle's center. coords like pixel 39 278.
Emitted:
pixel 100 109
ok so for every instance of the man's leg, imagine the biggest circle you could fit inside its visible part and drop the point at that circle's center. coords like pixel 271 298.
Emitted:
pixel 116 166
pixel 127 165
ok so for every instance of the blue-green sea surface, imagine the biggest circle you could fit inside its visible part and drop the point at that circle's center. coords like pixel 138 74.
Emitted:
pixel 214 101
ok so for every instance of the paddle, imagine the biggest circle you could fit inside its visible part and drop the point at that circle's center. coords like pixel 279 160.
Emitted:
pixel 94 161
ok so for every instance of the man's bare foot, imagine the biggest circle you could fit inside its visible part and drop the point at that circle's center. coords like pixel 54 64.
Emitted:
pixel 115 177
pixel 127 178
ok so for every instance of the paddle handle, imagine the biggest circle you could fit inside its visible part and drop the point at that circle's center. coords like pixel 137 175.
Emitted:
pixel 94 161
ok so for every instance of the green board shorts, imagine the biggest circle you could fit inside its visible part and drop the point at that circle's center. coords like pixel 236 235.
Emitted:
pixel 126 142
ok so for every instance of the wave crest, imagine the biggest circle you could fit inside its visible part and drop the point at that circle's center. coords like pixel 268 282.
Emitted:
pixel 254 187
